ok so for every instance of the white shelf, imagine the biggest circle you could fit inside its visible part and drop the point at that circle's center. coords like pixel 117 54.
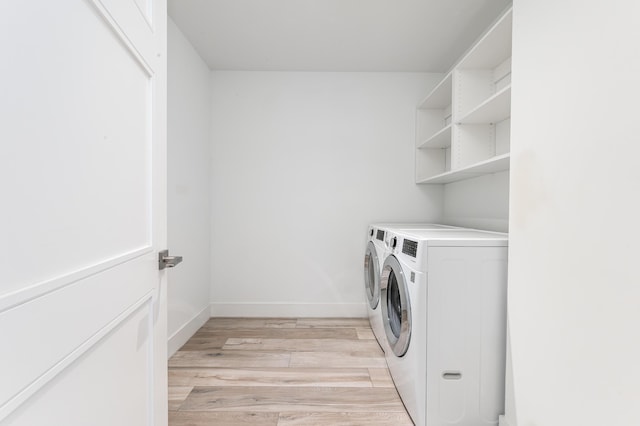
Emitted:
pixel 493 165
pixel 494 109
pixel 492 48
pixel 441 139
pixel 475 96
pixel 440 96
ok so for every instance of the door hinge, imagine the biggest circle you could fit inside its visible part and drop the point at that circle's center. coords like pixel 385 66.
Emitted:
pixel 166 261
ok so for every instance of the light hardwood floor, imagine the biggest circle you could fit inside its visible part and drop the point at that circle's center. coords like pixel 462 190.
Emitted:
pixel 283 372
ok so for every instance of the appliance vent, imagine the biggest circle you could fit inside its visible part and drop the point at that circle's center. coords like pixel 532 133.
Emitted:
pixel 410 247
pixel 380 235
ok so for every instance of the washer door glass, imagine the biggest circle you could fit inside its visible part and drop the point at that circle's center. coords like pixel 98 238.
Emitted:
pixel 396 306
pixel 371 276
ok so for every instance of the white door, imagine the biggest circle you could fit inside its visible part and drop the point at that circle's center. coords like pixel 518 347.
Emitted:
pixel 83 212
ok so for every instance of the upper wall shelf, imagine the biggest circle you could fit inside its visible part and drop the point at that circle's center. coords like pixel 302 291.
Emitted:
pixel 496 108
pixel 493 165
pixel 440 96
pixel 492 48
pixel 463 124
pixel 440 139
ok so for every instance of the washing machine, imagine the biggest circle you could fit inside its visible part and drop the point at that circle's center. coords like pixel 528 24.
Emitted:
pixel 443 305
pixel 375 254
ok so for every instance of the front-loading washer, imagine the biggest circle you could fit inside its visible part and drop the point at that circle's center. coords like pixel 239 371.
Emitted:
pixel 374 256
pixel 375 253
pixel 443 303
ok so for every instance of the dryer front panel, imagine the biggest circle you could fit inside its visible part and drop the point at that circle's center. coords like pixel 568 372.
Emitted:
pixel 396 306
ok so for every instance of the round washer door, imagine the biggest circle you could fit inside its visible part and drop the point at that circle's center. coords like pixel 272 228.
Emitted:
pixel 372 275
pixel 396 306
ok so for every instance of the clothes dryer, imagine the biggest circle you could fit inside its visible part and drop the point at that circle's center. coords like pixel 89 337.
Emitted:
pixel 443 303
pixel 375 254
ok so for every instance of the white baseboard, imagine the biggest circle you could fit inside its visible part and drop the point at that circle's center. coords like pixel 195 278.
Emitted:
pixel 502 421
pixel 289 310
pixel 185 332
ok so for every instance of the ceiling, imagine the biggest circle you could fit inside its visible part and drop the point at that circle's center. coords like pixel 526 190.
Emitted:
pixel 333 35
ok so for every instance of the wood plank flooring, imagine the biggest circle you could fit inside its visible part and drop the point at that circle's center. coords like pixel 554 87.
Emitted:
pixel 283 372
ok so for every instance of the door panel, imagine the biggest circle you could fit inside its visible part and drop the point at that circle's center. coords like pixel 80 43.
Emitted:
pixel 81 161
pixel 82 303
pixel 146 8
pixel 110 384
pixel 44 331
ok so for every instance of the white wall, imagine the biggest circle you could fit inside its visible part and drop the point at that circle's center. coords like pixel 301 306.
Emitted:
pixel 482 202
pixel 574 298
pixel 189 187
pixel 302 162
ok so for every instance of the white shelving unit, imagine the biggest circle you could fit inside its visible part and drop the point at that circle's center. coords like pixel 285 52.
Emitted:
pixel 463 124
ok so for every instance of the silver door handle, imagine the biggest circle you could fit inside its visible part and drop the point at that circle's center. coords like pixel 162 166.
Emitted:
pixel 166 261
